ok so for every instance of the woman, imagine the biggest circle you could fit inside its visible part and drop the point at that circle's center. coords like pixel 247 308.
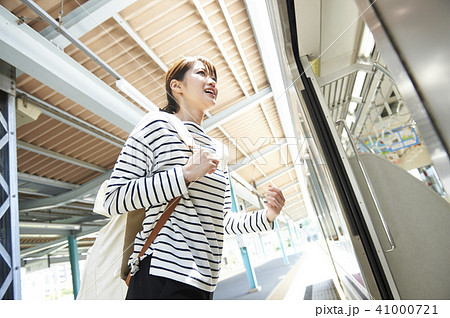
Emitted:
pixel 155 166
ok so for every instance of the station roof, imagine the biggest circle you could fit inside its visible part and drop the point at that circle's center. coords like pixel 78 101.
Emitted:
pixel 75 118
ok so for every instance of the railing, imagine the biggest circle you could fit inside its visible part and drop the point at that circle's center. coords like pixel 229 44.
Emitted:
pixel 370 186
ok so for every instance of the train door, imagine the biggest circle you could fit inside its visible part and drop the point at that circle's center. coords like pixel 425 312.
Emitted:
pixel 364 158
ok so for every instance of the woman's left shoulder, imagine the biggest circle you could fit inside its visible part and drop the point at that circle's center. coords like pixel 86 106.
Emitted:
pixel 221 151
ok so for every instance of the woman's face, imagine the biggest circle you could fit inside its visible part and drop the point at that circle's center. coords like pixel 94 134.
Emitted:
pixel 199 89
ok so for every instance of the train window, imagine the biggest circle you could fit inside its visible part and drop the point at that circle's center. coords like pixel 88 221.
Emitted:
pixel 378 118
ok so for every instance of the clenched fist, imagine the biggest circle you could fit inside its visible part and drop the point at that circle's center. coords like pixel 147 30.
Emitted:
pixel 199 164
pixel 275 202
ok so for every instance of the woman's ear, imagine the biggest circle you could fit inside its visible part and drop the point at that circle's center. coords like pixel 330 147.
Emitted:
pixel 175 86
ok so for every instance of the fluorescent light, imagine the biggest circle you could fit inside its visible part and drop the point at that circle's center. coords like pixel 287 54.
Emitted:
pixel 57 226
pixel 359 82
pixel 350 120
pixel 135 95
pixel 352 107
pixel 367 43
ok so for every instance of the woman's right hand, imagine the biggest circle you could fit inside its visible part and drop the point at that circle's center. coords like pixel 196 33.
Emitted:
pixel 199 164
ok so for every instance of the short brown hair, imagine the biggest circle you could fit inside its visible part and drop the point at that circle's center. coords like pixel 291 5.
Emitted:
pixel 177 71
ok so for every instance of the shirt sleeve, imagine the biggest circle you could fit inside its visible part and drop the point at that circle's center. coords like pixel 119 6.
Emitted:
pixel 243 222
pixel 132 185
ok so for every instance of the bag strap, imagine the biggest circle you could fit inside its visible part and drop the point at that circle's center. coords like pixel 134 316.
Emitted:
pixel 182 131
pixel 159 225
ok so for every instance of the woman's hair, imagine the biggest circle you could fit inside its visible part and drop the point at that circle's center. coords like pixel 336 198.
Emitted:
pixel 177 71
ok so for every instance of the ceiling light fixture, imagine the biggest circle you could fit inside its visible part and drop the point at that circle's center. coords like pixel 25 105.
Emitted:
pixel 135 95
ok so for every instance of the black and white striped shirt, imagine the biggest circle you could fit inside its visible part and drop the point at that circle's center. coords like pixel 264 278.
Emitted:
pixel 148 175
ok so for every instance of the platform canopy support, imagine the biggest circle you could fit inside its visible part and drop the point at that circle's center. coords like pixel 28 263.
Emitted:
pixel 10 287
pixel 74 264
pixel 251 276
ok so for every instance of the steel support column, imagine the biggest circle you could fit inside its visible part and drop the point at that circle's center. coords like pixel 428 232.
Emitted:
pixel 252 281
pixel 74 265
pixel 297 236
pixel 262 244
pixel 10 287
pixel 291 237
pixel 277 229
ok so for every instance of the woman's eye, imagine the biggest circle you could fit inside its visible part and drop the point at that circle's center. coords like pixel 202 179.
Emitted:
pixel 201 72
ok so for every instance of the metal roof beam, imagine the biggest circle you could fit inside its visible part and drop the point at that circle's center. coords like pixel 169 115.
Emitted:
pixel 274 175
pixel 85 18
pixel 237 109
pixel 246 184
pixel 234 142
pixel 29 51
pixel 253 157
pixel 46 181
pixel 55 155
pixel 82 20
pixel 53 244
pixel 66 197
pixel 287 186
pixel 42 231
pixel 53 23
pixel 293 203
pixel 73 121
pixel 293 195
pixel 136 37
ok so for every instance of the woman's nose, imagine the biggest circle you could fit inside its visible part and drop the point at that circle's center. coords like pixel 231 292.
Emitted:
pixel 212 81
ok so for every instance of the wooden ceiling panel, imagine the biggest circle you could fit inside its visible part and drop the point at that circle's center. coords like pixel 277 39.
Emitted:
pixel 270 162
pixel 38 165
pixel 78 175
pixel 272 112
pixel 104 158
pixel 234 155
pixel 54 134
pixel 142 13
pixel 250 139
pixel 60 171
pixel 250 173
pixel 186 20
pixel 24 158
pixel 291 190
pixel 284 178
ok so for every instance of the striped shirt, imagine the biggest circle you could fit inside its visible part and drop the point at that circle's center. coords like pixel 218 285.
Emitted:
pixel 148 174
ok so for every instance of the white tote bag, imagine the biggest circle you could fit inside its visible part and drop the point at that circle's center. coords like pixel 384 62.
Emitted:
pixel 101 276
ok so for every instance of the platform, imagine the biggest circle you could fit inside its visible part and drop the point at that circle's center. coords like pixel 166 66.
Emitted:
pixel 308 276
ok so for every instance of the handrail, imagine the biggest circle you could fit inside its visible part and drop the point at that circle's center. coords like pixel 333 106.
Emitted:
pixel 383 70
pixel 372 191
pixel 364 145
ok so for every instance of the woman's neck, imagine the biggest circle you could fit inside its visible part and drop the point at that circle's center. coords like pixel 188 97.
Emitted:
pixel 189 114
